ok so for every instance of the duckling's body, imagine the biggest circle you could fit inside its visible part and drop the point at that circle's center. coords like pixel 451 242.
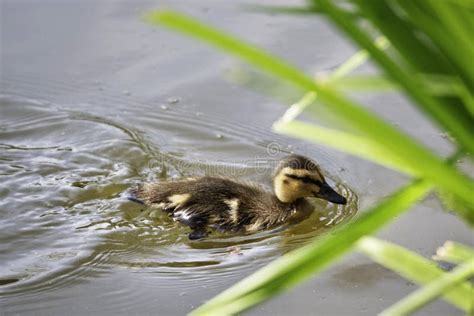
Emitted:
pixel 230 206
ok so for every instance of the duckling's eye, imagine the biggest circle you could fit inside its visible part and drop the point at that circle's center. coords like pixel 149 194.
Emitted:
pixel 285 182
pixel 305 179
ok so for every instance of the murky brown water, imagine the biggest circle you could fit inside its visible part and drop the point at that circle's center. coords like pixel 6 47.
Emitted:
pixel 93 101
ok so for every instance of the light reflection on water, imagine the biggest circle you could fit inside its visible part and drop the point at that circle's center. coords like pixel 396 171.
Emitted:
pixel 64 219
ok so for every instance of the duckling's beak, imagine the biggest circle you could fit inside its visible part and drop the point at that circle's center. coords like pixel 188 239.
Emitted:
pixel 328 193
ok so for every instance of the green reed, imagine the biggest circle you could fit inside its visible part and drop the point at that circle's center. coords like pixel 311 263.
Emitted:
pixel 423 50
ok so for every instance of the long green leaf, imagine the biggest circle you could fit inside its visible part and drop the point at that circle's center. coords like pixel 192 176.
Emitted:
pixel 357 59
pixel 294 267
pixel 347 142
pixel 399 144
pixel 466 4
pixel 407 41
pixel 424 16
pixel 431 291
pixel 434 85
pixel 459 125
pixel 341 71
pixel 434 289
pixel 401 33
pixel 414 268
pixel 406 32
pixel 298 265
pixel 446 31
pixel 364 83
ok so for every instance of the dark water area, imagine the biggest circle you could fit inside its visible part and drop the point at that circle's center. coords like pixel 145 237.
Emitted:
pixel 93 101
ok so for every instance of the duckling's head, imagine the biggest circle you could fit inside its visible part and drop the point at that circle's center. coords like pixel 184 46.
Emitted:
pixel 298 177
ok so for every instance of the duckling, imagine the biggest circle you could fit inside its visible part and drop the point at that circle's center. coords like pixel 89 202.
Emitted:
pixel 230 206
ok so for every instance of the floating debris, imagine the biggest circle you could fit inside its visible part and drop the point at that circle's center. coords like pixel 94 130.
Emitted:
pixel 235 250
pixel 173 100
pixel 80 184
pixel 447 136
pixel 126 92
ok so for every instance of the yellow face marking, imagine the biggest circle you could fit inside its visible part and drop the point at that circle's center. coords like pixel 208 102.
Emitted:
pixel 178 200
pixel 288 189
pixel 313 174
pixel 284 191
pixel 233 209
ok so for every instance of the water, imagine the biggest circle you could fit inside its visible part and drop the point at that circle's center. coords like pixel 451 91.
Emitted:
pixel 65 171
pixel 103 102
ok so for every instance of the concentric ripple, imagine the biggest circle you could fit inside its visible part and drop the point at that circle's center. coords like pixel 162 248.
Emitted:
pixel 64 219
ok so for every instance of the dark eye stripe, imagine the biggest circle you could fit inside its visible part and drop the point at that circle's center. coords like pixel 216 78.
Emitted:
pixel 305 179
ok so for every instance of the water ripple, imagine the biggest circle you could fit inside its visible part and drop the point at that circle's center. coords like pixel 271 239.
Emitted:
pixel 65 220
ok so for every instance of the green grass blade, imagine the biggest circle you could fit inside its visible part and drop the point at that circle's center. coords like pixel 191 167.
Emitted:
pixel 400 144
pixel 401 34
pixel 466 4
pixel 448 31
pixel 357 59
pixel 463 209
pixel 295 109
pixel 442 86
pixel 449 14
pixel 296 266
pixel 434 85
pixel 424 16
pixel 340 72
pixel 467 98
pixel 363 83
pixel 431 291
pixel 449 117
pixel 357 145
pixel 414 268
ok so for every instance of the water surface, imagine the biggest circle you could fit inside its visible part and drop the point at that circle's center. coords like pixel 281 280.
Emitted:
pixel 93 101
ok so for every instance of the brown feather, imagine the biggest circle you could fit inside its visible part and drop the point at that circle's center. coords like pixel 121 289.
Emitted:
pixel 228 205
pixel 208 204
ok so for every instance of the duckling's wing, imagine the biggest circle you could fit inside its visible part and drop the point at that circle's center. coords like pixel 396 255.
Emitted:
pixel 207 201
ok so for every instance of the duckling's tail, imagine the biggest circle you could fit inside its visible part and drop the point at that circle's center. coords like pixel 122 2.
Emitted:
pixel 134 195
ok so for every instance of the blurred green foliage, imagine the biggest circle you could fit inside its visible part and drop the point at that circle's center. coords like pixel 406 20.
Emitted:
pixel 424 49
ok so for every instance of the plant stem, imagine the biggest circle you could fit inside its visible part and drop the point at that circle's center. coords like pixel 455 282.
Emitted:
pixel 431 291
